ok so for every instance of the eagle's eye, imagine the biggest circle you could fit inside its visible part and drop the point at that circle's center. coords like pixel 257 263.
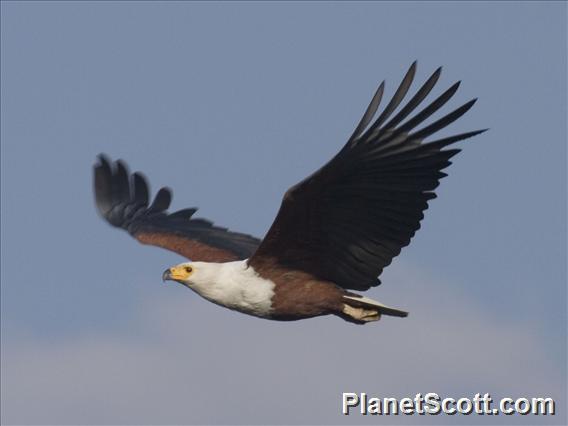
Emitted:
pixel 188 269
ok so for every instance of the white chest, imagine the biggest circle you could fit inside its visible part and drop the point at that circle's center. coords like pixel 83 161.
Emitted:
pixel 237 286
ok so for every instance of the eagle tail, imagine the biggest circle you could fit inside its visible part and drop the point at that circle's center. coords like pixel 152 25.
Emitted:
pixel 360 309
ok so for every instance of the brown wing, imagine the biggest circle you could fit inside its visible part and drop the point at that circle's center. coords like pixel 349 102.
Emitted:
pixel 347 221
pixel 123 200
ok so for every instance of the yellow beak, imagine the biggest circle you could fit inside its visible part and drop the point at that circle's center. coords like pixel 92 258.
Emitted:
pixel 175 273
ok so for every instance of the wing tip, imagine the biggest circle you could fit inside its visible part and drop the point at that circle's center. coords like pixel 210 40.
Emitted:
pixel 140 175
pixel 103 157
pixel 436 74
pixel 413 66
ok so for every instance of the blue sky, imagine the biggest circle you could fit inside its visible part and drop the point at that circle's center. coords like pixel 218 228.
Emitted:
pixel 230 104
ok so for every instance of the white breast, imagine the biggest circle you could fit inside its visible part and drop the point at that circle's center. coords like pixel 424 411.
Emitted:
pixel 234 285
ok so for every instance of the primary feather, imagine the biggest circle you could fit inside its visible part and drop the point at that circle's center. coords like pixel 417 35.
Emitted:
pixel 347 221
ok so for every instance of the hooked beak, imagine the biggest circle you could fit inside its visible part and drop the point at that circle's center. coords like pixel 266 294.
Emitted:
pixel 175 273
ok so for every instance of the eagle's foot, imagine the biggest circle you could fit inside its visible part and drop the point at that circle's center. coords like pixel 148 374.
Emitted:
pixel 361 314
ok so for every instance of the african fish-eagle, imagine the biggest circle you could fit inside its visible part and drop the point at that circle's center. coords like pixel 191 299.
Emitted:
pixel 335 231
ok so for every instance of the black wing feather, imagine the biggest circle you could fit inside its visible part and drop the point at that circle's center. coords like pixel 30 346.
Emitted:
pixel 123 200
pixel 347 221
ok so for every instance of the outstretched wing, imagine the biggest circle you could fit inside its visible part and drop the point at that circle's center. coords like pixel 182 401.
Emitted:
pixel 123 200
pixel 348 220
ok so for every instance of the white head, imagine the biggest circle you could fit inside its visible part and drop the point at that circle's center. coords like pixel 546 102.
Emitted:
pixel 230 284
pixel 194 275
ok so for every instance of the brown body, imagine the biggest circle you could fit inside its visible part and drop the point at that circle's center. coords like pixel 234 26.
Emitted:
pixel 299 295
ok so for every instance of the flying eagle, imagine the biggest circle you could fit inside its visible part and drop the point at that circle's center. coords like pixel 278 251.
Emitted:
pixel 335 231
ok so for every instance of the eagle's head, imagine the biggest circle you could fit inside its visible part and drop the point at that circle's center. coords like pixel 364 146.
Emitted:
pixel 213 281
pixel 181 273
pixel 234 285
pixel 192 274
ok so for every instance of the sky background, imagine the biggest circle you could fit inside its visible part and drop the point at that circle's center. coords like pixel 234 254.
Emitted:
pixel 229 104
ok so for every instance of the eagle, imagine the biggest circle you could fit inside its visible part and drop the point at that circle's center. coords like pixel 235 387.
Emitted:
pixel 335 231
